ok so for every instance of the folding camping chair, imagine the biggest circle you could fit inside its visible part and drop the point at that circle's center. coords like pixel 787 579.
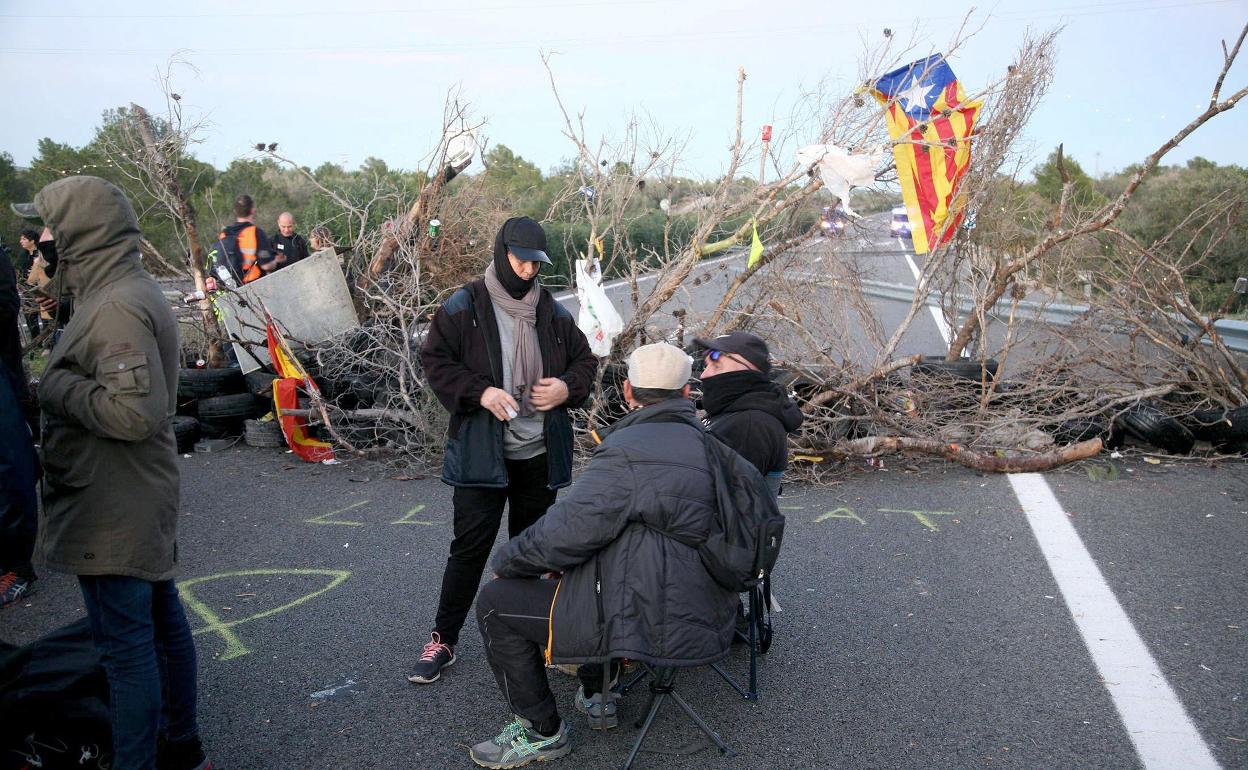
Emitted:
pixel 757 637
pixel 662 687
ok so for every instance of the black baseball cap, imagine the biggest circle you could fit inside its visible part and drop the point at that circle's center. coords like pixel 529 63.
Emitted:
pixel 525 239
pixel 27 211
pixel 743 344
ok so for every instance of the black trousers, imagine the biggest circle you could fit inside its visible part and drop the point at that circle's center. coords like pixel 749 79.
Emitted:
pixel 18 525
pixel 514 616
pixel 478 513
pixel 33 325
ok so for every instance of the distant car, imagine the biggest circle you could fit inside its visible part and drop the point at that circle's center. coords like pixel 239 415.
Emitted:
pixel 901 222
pixel 832 221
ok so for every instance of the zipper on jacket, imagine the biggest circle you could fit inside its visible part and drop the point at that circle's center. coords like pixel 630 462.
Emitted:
pixel 602 621
pixel 550 623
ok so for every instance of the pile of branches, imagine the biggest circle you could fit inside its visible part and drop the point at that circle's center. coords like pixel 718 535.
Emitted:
pixel 1003 391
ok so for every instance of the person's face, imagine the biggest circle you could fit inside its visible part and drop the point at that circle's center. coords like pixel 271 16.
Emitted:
pixel 286 225
pixel 26 243
pixel 719 362
pixel 522 267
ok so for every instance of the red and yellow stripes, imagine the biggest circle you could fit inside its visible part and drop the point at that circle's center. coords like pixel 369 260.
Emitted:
pixel 932 157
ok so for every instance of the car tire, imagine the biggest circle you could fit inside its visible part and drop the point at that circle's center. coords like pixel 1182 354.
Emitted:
pixel 185 433
pixel 260 383
pixel 206 383
pixel 1220 427
pixel 1083 429
pixel 961 369
pixel 235 407
pixel 263 433
pixel 1149 424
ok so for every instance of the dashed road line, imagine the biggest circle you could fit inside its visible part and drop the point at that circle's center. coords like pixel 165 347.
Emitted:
pixel 942 325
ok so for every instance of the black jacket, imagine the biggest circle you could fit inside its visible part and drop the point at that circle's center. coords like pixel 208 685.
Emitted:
pixel 293 248
pixel 10 308
pixel 462 356
pixel 752 415
pixel 628 590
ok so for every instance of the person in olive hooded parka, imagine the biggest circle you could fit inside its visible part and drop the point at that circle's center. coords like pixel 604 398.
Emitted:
pixel 110 505
pixel 506 360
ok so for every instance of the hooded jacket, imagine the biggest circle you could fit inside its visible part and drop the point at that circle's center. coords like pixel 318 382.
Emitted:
pixel 632 587
pixel 108 395
pixel 462 356
pixel 752 415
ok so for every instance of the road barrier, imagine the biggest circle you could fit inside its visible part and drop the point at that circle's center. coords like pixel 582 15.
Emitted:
pixel 1233 332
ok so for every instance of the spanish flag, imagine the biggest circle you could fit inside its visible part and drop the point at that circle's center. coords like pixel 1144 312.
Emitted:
pixel 931 127
pixel 292 377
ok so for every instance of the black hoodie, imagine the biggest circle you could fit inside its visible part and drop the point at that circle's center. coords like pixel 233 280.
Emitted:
pixel 751 414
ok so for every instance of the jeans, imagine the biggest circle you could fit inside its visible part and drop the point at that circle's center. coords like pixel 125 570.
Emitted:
pixel 478 513
pixel 148 655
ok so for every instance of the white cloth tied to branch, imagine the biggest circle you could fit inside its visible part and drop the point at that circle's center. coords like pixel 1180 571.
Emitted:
pixel 598 318
pixel 841 170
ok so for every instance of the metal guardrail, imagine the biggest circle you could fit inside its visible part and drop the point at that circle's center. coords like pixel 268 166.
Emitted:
pixel 1233 332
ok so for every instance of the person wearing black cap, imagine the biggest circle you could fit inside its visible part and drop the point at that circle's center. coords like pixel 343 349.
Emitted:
pixel 744 408
pixel 506 360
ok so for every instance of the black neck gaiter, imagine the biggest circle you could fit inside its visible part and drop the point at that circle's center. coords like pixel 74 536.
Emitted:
pixel 722 390
pixel 516 286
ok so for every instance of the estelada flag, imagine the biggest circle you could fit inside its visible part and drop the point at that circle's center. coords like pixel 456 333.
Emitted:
pixel 931 127
pixel 291 377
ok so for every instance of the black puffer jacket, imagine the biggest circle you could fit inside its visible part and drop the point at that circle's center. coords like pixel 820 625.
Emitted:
pixel 628 590
pixel 462 356
pixel 752 415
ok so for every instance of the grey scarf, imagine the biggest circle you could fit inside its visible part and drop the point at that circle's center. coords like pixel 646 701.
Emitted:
pixel 526 361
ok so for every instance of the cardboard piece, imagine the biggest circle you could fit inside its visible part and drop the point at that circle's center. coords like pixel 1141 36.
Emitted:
pixel 309 299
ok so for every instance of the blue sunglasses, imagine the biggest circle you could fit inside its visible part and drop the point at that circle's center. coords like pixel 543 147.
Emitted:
pixel 715 355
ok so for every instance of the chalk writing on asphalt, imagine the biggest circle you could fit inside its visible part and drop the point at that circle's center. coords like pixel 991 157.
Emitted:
pixel 926 518
pixel 407 517
pixel 839 513
pixel 334 517
pixel 215 624
pixel 325 518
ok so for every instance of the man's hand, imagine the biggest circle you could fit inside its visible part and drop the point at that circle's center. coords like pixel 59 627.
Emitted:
pixel 48 304
pixel 498 401
pixel 548 393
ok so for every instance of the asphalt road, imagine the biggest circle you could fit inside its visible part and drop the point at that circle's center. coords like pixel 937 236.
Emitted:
pixel 932 617
pixel 921 624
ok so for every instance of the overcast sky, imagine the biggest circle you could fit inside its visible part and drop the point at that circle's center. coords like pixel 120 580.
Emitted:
pixel 341 81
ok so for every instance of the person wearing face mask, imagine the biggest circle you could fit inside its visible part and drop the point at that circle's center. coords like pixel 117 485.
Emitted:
pixel 744 408
pixel 111 484
pixel 507 361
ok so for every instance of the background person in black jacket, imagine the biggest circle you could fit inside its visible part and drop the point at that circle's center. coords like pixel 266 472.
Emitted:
pixel 506 360
pixel 288 246
pixel 632 585
pixel 744 408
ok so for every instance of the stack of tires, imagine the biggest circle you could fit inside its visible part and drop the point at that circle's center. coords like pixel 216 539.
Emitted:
pixel 217 403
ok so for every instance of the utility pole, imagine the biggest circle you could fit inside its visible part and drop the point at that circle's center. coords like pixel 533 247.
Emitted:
pixel 762 158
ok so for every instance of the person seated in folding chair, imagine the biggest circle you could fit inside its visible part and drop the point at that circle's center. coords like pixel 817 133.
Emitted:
pixel 629 587
pixel 747 411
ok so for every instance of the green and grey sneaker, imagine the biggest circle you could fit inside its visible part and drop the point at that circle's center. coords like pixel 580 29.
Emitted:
pixel 601 716
pixel 519 744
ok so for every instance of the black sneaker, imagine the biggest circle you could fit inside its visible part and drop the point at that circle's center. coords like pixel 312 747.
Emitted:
pixel 181 755
pixel 434 657
pixel 14 588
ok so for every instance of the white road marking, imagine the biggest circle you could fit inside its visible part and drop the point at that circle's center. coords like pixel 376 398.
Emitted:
pixel 942 326
pixel 1155 719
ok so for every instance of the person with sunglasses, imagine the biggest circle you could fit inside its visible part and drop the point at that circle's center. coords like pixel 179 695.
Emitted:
pixel 744 408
